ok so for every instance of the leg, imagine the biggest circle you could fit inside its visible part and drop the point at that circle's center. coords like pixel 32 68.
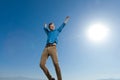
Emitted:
pixel 44 58
pixel 55 62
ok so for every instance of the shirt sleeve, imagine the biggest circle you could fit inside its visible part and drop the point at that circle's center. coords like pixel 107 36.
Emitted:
pixel 46 30
pixel 61 27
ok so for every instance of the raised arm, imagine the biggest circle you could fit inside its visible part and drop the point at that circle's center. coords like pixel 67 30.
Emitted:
pixel 45 28
pixel 64 23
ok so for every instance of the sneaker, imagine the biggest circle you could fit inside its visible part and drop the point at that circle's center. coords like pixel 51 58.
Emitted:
pixel 53 78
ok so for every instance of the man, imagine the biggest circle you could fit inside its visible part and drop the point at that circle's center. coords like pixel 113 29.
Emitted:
pixel 50 49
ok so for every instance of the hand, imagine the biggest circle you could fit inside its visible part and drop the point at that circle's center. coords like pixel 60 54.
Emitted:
pixel 66 19
pixel 45 25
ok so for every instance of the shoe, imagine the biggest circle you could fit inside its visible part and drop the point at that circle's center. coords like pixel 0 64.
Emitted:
pixel 53 78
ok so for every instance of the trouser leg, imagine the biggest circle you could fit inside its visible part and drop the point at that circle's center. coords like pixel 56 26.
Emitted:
pixel 44 58
pixel 55 62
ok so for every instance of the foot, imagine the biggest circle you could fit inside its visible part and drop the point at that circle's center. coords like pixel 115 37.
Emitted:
pixel 53 78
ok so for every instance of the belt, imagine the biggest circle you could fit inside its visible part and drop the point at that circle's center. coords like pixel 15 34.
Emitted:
pixel 50 44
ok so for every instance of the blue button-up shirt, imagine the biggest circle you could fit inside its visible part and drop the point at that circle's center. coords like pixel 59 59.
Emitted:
pixel 52 35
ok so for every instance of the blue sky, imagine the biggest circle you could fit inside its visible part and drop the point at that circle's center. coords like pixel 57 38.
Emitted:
pixel 22 38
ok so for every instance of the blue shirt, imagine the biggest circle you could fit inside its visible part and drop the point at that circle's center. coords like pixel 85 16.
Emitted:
pixel 52 35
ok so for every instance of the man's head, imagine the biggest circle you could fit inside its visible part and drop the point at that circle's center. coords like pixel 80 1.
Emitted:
pixel 51 26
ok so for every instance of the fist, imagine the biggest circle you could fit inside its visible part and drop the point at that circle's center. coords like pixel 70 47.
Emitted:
pixel 45 25
pixel 67 17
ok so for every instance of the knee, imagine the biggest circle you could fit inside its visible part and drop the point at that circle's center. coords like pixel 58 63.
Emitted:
pixel 41 65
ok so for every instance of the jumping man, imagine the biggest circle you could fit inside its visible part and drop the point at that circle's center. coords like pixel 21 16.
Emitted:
pixel 50 49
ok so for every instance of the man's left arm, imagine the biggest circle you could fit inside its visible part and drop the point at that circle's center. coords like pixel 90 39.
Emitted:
pixel 64 23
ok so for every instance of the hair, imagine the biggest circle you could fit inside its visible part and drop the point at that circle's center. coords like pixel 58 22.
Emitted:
pixel 50 23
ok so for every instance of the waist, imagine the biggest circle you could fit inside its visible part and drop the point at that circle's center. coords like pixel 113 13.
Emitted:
pixel 50 44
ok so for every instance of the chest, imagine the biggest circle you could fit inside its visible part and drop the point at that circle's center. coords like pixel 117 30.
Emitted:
pixel 54 33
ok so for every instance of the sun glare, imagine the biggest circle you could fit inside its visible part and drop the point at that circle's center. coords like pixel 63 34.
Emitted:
pixel 97 32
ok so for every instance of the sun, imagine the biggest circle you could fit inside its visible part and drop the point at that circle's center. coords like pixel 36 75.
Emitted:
pixel 97 32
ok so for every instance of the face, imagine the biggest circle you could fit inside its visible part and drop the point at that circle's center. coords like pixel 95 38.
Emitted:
pixel 52 27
